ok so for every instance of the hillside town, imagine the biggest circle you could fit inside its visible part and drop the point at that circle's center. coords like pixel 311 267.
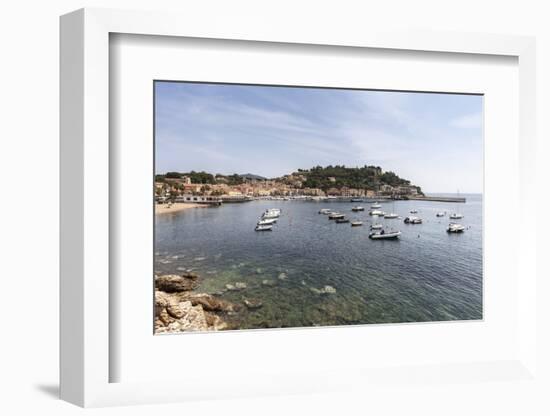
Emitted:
pixel 204 187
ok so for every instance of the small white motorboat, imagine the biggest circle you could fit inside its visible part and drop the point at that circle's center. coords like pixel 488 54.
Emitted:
pixel 335 216
pixel 267 221
pixel 376 205
pixel 271 213
pixel 263 228
pixel 384 235
pixel 412 220
pixel 356 223
pixel 325 211
pixel 391 216
pixel 377 212
pixel 413 211
pixel 456 216
pixel 376 227
pixel 440 214
pixel 455 228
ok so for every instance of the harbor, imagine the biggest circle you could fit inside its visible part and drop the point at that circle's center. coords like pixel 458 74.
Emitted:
pixel 309 270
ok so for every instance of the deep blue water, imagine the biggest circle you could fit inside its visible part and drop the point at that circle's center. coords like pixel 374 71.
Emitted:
pixel 426 275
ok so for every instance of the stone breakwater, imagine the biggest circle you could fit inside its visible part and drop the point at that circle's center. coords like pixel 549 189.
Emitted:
pixel 179 309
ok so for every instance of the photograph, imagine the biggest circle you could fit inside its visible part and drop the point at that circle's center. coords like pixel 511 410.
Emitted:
pixel 304 206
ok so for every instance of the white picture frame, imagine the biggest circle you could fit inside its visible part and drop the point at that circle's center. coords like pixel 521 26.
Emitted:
pixel 86 356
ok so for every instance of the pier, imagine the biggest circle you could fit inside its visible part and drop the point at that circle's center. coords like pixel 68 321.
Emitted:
pixel 198 199
pixel 438 198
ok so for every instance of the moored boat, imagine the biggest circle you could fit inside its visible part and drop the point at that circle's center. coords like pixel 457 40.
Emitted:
pixel 356 200
pixel 263 227
pixel 413 211
pixel 377 212
pixel 356 223
pixel 325 211
pixel 455 228
pixel 342 220
pixel 456 216
pixel 440 214
pixel 335 216
pixel 384 235
pixel 376 227
pixel 391 216
pixel 357 209
pixel 267 221
pixel 376 205
pixel 412 220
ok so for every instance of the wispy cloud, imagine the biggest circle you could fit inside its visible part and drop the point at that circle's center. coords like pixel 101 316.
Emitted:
pixel 468 121
pixel 274 130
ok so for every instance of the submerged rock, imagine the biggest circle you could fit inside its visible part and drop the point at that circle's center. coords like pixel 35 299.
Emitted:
pixel 175 283
pixel 253 303
pixel 236 286
pixel 327 290
pixel 315 290
pixel 209 302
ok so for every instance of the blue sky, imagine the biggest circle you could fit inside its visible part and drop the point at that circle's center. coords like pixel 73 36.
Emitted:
pixel 434 140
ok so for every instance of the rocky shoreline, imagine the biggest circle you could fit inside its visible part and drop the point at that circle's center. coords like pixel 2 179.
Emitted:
pixel 179 309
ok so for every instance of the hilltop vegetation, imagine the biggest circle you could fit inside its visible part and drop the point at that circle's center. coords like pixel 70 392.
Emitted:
pixel 366 177
pixel 338 176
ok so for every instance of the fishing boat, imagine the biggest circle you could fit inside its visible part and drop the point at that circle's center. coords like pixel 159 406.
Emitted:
pixel 325 211
pixel 335 216
pixel 376 227
pixel 376 205
pixel 267 221
pixel 263 227
pixel 357 209
pixel 341 220
pixel 377 212
pixel 412 220
pixel 455 228
pixel 384 235
pixel 356 223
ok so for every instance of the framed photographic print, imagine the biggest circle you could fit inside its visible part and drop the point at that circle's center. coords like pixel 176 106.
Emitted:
pixel 306 213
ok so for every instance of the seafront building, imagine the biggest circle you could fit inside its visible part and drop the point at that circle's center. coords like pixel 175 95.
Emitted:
pixel 184 190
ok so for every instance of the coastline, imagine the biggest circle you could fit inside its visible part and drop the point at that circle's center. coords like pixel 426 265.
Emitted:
pixel 175 207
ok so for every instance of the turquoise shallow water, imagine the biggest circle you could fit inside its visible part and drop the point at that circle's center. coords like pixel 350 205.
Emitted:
pixel 426 275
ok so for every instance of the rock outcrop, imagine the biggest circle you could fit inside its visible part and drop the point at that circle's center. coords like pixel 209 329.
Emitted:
pixel 178 309
pixel 171 283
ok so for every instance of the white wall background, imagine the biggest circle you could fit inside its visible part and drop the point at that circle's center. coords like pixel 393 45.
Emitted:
pixel 29 209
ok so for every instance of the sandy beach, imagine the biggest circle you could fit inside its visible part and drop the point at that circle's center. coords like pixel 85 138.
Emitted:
pixel 176 207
